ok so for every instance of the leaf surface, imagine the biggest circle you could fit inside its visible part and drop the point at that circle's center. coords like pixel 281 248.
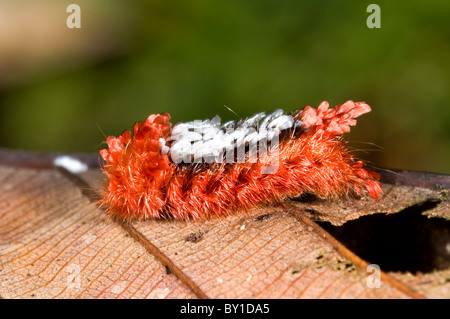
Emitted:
pixel 55 242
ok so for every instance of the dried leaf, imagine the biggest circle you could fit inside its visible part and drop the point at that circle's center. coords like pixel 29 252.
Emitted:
pixel 55 242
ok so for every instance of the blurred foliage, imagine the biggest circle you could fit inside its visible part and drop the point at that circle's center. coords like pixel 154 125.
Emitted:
pixel 190 58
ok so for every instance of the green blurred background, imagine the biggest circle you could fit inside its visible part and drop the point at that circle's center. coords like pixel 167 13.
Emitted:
pixel 65 89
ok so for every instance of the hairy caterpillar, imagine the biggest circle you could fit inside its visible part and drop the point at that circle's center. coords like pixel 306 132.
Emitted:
pixel 204 168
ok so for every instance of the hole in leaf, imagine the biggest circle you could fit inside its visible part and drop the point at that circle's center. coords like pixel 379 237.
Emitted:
pixel 405 241
pixel 195 237
pixel 262 217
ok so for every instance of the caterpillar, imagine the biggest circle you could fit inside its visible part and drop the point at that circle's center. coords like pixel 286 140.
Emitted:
pixel 202 169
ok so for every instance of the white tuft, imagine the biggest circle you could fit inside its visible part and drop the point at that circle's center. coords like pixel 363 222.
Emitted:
pixel 209 139
pixel 164 147
pixel 71 164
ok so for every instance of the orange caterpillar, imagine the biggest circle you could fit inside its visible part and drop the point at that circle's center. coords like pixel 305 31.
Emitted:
pixel 146 178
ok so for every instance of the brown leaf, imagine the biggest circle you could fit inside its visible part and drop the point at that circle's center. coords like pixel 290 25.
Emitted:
pixel 56 243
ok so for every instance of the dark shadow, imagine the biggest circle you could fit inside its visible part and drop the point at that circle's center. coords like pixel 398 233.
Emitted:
pixel 406 241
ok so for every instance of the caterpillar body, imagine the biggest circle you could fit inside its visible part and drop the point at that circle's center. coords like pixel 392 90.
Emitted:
pixel 202 169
